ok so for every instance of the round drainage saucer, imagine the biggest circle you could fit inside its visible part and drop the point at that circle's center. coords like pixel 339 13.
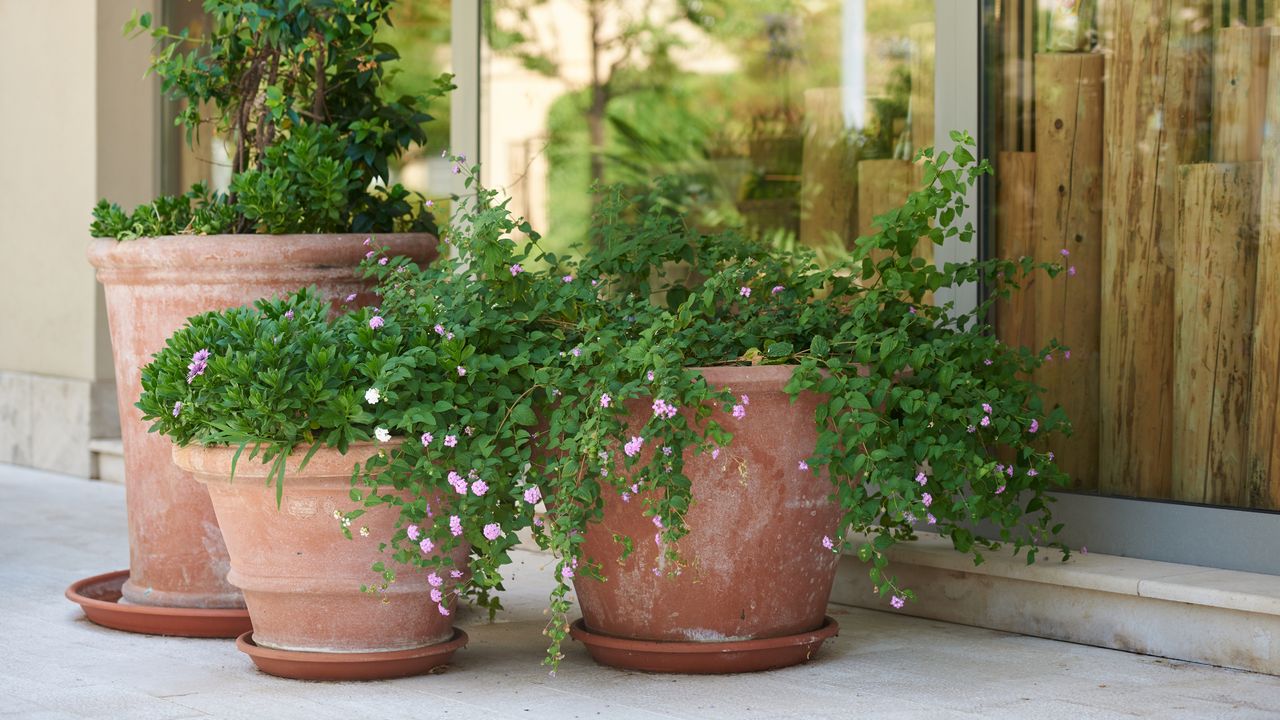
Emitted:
pixel 99 596
pixel 301 665
pixel 703 657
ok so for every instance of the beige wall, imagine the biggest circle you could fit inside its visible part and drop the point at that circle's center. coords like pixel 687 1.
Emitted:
pixel 79 122
pixel 47 186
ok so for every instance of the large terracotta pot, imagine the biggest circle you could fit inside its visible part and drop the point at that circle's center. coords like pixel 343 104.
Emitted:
pixel 176 554
pixel 300 576
pixel 755 567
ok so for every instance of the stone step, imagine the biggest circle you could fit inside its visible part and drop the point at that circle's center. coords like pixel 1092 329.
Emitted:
pixel 1185 612
pixel 107 459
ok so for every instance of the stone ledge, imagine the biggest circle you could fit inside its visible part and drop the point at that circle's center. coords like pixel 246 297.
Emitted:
pixel 1185 612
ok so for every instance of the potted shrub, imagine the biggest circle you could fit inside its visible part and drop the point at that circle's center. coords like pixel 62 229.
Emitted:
pixel 298 91
pixel 271 408
pixel 696 465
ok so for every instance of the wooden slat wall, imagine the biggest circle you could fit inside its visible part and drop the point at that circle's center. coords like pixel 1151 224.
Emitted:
pixel 1068 216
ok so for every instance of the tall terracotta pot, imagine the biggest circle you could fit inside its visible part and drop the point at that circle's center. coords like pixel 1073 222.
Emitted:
pixel 300 576
pixel 754 589
pixel 176 553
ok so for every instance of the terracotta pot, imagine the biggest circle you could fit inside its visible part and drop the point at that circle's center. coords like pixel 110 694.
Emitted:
pixel 176 554
pixel 755 566
pixel 300 576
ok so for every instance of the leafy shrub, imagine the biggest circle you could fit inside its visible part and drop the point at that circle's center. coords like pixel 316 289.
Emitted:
pixel 298 88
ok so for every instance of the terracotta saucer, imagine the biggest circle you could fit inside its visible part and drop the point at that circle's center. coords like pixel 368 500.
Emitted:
pixel 350 666
pixel 99 596
pixel 703 657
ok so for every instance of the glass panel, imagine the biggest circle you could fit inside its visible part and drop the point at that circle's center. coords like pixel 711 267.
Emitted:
pixel 1132 150
pixel 793 120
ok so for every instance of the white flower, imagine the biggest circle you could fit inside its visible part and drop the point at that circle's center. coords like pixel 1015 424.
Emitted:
pixel 372 396
pixel 382 434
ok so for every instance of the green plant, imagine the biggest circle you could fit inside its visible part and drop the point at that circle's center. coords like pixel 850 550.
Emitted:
pixel 298 89
pixel 282 375
pixel 536 365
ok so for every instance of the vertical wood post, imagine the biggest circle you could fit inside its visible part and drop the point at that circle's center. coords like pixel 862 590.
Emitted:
pixel 1015 238
pixel 1263 480
pixel 1068 216
pixel 827 192
pixel 1240 62
pixel 1213 306
pixel 1157 96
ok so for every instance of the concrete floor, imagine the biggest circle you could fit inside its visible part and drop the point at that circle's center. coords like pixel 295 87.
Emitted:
pixel 55 664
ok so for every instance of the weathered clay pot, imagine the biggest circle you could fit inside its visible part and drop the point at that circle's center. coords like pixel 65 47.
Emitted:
pixel 300 576
pixel 755 566
pixel 176 554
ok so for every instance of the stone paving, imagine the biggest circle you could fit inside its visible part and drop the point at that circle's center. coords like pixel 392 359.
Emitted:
pixel 54 664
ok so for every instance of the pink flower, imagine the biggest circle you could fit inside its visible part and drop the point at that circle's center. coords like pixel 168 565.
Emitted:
pixel 932 520
pixel 746 400
pixel 455 525
pixel 455 574
pixel 927 499
pixel 177 408
pixel 649 376
pixel 443 610
pixel 429 203
pixel 744 291
pixel 439 329
pixel 435 580
pixel 777 289
pixel 532 495
pixel 368 241
pixel 666 450
pixel 1066 354
pixel 382 261
pixel 427 438
pixel 576 352
pixel 1071 271
pixel 455 480
pixel 426 545
pixel 1034 426
pixel 972 428
pixel 896 602
pixel 986 361
pixel 921 479
pixel 1065 252
pixel 376 322
pixel 986 408
pixel 413 532
pixel 436 595
pixel 288 315
pixel 566 572
pixel 632 448
pixel 567 278
pixel 663 409
pixel 516 270
pixel 479 488
pixel 351 297
pixel 739 412
pixel 450 440
pixel 369 255
pixel 1000 489
pixel 985 421
pixel 802 466
pixel 1032 472
pixel 826 543
pixel 492 531
pixel 715 453
pixel 605 400
pixel 626 496
pixel 657 522
pixel 462 372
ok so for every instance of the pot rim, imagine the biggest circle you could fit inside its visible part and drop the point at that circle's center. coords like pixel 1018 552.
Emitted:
pixel 191 252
